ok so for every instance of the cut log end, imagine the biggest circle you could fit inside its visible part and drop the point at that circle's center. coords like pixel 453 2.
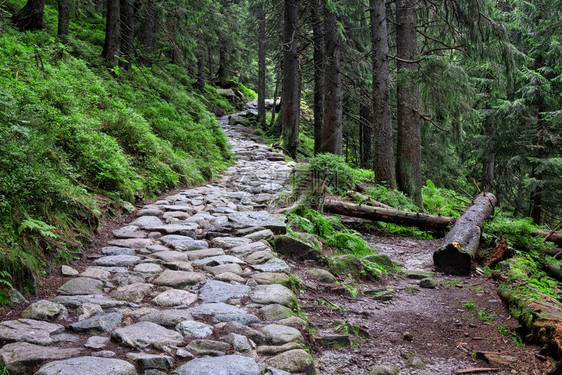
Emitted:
pixel 452 259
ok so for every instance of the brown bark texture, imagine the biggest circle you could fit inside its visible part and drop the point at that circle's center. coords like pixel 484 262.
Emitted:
pixel 366 137
pixel 460 245
pixel 127 24
pixel 111 45
pixel 408 162
pixel 30 17
pixel 64 17
pixel 261 67
pixel 318 58
pixel 384 163
pixel 290 96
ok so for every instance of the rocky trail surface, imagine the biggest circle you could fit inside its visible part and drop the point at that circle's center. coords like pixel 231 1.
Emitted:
pixel 192 286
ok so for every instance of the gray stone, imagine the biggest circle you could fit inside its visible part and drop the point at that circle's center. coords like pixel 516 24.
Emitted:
pixel 101 322
pixel 171 256
pixel 68 271
pixel 180 266
pixel 175 297
pixel 121 233
pixel 265 234
pixel 180 215
pixel 274 222
pixel 245 250
pixel 276 349
pixel 82 285
pixel 321 275
pixel 135 243
pixel 17 357
pixel 152 361
pixel 241 329
pixel 167 318
pixel 383 370
pixel 112 269
pixel 229 276
pixel 87 310
pixel 97 342
pixel 274 293
pixel 428 283
pixel 218 291
pixel 132 293
pixel 417 275
pixel 259 257
pixel 215 308
pixel 295 322
pixel 146 334
pixel 271 278
pixel 222 268
pixel 16 298
pixel 229 242
pixel 178 278
pixel 204 253
pixel 148 268
pixel 45 310
pixel 96 273
pixel 104 354
pixel 274 371
pixel 128 278
pixel 76 301
pixel 380 259
pixel 149 211
pixel 242 318
pixel 273 265
pixel 183 243
pixel 88 366
pixel 293 361
pixel 238 342
pixel 293 247
pixel 185 229
pixel 29 330
pixel 221 259
pixel 201 347
pixel 225 365
pixel 195 329
pixel 278 335
pixel 115 250
pixel 275 312
pixel 147 222
pixel 117 261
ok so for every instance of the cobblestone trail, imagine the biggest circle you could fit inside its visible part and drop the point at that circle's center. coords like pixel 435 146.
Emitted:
pixel 190 287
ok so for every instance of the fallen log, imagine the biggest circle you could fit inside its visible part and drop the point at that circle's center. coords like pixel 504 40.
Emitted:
pixel 552 236
pixel 461 244
pixel 414 219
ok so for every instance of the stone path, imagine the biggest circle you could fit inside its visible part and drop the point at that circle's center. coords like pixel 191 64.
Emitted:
pixel 190 287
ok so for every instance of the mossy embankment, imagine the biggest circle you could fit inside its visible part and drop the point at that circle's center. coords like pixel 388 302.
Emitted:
pixel 80 140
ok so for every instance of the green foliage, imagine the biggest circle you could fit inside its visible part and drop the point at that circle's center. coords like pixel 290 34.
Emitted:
pixel 469 304
pixel 333 169
pixel 392 197
pixel 331 231
pixel 441 201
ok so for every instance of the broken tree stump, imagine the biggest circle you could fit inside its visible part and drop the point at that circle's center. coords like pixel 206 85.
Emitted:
pixel 461 244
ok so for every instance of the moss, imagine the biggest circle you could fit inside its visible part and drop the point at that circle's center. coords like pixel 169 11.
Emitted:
pixel 347 264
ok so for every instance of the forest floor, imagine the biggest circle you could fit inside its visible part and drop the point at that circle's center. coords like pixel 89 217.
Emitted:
pixel 424 331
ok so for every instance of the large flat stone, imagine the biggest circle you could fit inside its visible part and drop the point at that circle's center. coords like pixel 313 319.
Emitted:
pixel 277 334
pixel 132 293
pixel 274 293
pixel 100 322
pixel 175 297
pixel 88 366
pixel 117 261
pixel 29 330
pixel 171 256
pixel 183 243
pixel 167 318
pixel 17 357
pixel 245 250
pixel 135 243
pixel 45 310
pixel 224 365
pixel 82 285
pixel 274 222
pixel 187 229
pixel 229 242
pixel 215 308
pixel 204 253
pixel 218 291
pixel 116 250
pixel 145 335
pixel 191 328
pixel 147 222
pixel 215 261
pixel 76 301
pixel 178 279
pixel 152 361
pixel 273 265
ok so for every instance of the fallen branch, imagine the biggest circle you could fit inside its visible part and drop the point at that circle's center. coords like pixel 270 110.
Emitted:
pixel 476 369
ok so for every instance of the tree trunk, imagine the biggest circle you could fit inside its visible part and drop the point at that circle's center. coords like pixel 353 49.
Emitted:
pixel 64 17
pixel 536 204
pixel 551 236
pixel 290 97
pixel 200 83
pixel 127 32
pixel 333 127
pixel 261 67
pixel 384 164
pixel 408 163
pixel 30 17
pixel 318 60
pixel 221 72
pixel 365 137
pixel 146 32
pixel 422 221
pixel 461 244
pixel 111 45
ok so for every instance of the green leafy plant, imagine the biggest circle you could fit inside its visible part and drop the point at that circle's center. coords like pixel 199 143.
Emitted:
pixel 469 304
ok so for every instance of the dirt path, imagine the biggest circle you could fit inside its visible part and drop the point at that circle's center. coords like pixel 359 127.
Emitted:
pixel 417 330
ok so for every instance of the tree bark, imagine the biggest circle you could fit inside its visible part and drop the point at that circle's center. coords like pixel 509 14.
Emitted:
pixel 333 109
pixel 200 83
pixel 365 137
pixel 261 67
pixel 318 60
pixel 146 32
pixel 64 17
pixel 551 236
pixel 111 45
pixel 536 198
pixel 290 97
pixel 127 25
pixel 422 221
pixel 408 163
pixel 384 163
pixel 461 244
pixel 30 17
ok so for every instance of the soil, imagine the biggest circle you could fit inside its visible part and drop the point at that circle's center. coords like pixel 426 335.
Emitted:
pixel 394 321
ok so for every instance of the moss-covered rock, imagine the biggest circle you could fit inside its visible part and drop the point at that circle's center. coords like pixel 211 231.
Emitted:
pixel 380 259
pixel 347 264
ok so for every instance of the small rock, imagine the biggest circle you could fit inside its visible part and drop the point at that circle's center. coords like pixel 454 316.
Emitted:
pixel 407 336
pixel 88 366
pixel 132 293
pixel 274 312
pixel 175 297
pixel 82 285
pixel 178 278
pixel 17 357
pixel 239 343
pixel 202 347
pixel 275 293
pixel 68 271
pixel 271 278
pixel 167 318
pixel 279 335
pixel 87 310
pixel 218 291
pixel 97 342
pixel 428 283
pixel 45 310
pixel 273 265
pixel 195 329
pixel 321 275
pixel 145 334
pixel 417 275
pixel 100 322
pixel 384 370
pixel 293 361
pixel 225 365
pixel 152 361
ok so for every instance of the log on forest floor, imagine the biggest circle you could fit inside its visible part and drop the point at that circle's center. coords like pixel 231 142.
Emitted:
pixel 461 244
